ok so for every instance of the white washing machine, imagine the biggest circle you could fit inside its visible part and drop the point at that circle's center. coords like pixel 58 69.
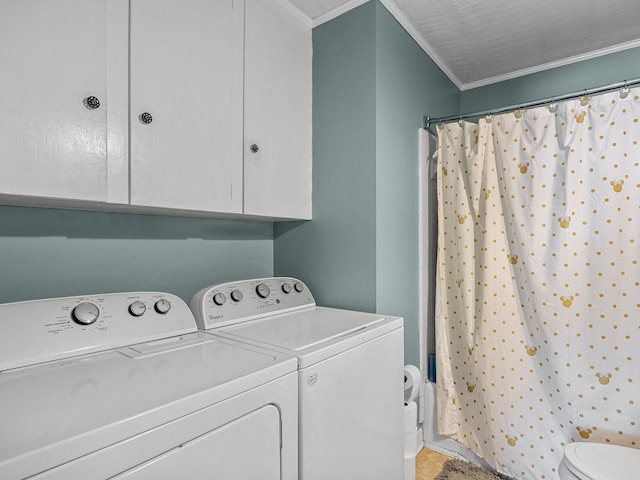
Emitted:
pixel 350 372
pixel 123 386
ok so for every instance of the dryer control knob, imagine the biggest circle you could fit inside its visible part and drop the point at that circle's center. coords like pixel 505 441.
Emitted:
pixel 219 299
pixel 286 288
pixel 263 290
pixel 298 286
pixel 137 308
pixel 236 295
pixel 162 306
pixel 86 313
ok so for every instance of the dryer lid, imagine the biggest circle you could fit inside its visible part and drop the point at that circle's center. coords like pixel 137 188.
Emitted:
pixel 599 461
pixel 57 411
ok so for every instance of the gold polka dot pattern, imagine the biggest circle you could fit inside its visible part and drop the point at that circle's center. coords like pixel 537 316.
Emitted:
pixel 538 289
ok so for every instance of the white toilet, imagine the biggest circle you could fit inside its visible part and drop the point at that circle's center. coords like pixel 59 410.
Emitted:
pixel 599 461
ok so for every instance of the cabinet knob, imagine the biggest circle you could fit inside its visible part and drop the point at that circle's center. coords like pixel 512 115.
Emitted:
pixel 254 148
pixel 91 102
pixel 145 118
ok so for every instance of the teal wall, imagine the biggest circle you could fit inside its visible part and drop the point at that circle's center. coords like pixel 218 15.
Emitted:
pixel 372 84
pixel 595 72
pixel 335 253
pixel 49 253
pixel 408 85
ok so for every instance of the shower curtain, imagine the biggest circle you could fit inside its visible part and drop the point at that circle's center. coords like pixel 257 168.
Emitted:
pixel 538 285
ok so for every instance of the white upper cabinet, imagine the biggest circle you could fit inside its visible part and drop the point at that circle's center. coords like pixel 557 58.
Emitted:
pixel 277 112
pixel 154 106
pixel 186 96
pixel 53 56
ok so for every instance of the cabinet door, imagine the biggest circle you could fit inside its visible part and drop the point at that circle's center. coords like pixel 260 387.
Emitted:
pixel 186 72
pixel 53 56
pixel 277 177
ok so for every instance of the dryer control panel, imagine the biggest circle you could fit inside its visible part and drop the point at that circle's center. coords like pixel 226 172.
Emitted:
pixel 39 331
pixel 234 302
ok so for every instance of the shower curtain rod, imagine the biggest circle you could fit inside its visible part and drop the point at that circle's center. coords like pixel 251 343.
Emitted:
pixel 428 121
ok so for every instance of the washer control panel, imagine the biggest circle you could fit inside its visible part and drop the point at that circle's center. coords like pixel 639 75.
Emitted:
pixel 234 302
pixel 38 331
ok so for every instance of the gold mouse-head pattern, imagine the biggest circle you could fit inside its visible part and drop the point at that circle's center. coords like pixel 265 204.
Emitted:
pixel 617 185
pixel 564 221
pixel 584 432
pixel 538 282
pixel 567 302
pixel 511 441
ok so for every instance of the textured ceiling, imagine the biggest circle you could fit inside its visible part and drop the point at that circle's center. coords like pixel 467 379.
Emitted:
pixel 477 42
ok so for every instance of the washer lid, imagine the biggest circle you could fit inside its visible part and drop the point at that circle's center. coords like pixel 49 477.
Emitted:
pixel 312 334
pixel 600 461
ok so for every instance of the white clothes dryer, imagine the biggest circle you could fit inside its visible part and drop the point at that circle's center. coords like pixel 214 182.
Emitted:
pixel 123 386
pixel 350 372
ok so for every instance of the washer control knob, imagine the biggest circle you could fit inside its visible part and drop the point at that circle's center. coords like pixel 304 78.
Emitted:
pixel 162 306
pixel 286 288
pixel 236 295
pixel 85 313
pixel 219 299
pixel 263 290
pixel 137 308
pixel 298 286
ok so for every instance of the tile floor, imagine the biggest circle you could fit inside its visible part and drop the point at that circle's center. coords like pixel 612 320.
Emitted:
pixel 429 464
